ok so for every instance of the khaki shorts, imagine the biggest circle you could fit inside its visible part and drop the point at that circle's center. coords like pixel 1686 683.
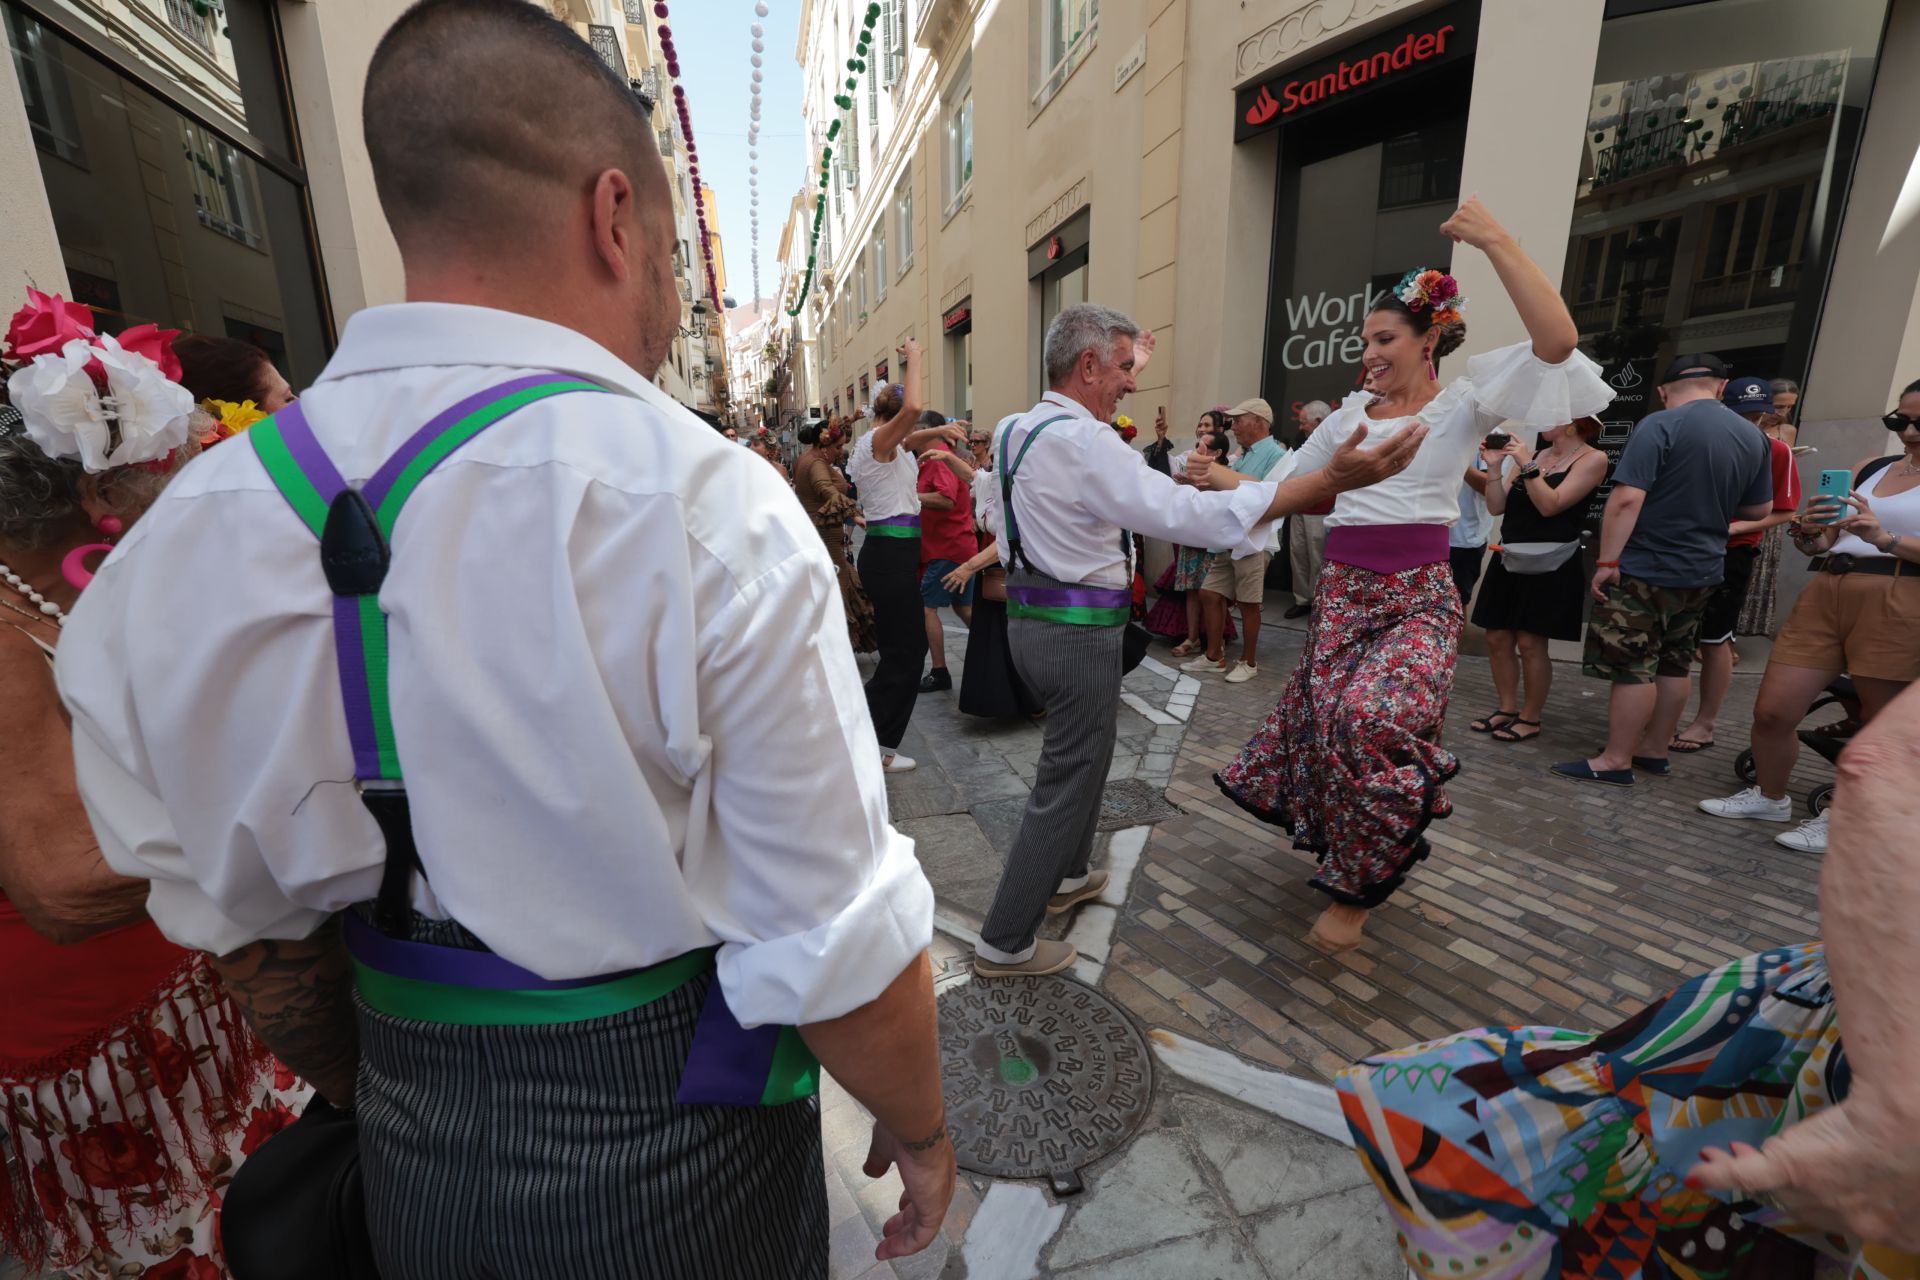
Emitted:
pixel 1859 623
pixel 1644 631
pixel 1241 581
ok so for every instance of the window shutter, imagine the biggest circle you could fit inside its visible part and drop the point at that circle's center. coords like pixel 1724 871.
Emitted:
pixel 890 33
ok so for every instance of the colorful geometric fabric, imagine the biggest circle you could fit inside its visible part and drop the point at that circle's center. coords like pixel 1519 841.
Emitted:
pixel 1528 1153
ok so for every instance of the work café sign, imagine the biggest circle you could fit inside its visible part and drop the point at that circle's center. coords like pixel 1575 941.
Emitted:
pixel 1298 92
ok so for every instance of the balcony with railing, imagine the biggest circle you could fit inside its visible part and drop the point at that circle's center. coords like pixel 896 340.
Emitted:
pixel 1601 314
pixel 1745 290
pixel 1803 100
pixel 194 21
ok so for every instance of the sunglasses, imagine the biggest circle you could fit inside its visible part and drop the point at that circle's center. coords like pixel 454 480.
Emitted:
pixel 1897 422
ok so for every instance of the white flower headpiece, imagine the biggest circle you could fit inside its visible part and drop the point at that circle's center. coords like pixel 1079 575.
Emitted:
pixel 101 403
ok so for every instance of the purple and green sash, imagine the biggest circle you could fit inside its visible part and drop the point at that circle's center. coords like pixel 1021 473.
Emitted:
pixel 727 1064
pixel 1075 606
pixel 894 527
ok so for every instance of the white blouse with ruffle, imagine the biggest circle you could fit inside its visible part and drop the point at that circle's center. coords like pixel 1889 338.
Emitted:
pixel 1511 384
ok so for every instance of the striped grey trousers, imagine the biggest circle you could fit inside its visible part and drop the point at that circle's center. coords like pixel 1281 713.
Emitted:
pixel 1075 673
pixel 522 1153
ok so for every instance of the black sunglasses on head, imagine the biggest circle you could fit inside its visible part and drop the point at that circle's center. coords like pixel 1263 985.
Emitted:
pixel 1898 422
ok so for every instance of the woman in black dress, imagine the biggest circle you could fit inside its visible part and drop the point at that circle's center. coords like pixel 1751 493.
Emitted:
pixel 1536 588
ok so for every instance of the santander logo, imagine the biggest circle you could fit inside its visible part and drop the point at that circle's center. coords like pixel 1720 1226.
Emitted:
pixel 1264 108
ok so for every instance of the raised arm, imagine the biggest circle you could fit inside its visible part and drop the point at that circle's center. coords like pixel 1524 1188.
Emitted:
pixel 1583 478
pixel 892 433
pixel 1539 303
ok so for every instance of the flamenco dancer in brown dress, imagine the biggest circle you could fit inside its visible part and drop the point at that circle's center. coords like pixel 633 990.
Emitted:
pixel 822 490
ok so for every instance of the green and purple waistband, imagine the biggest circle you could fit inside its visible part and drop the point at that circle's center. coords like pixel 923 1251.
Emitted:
pixel 727 1065
pixel 894 527
pixel 1073 606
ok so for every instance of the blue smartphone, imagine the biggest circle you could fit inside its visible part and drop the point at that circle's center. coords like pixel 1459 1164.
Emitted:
pixel 1835 485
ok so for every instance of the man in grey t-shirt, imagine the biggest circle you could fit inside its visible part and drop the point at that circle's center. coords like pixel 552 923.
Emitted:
pixel 1688 472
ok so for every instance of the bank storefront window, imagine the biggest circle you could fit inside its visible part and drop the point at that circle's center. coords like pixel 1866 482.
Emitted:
pixel 166 148
pixel 1713 172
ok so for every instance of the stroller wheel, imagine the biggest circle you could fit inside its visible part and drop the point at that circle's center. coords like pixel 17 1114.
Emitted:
pixel 1819 798
pixel 1743 767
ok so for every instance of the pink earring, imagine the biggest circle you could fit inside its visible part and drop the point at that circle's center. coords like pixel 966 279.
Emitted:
pixel 1433 374
pixel 74 566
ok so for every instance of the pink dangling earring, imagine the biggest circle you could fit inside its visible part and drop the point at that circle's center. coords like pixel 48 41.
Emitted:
pixel 74 566
pixel 1433 374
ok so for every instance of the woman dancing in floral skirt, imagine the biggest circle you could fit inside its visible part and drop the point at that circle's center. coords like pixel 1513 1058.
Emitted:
pixel 1351 763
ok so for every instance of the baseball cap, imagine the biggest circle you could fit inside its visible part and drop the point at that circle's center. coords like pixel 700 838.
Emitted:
pixel 1748 395
pixel 1700 365
pixel 1257 407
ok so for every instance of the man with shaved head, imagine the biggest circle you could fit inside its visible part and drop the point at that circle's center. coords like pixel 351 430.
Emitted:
pixel 462 718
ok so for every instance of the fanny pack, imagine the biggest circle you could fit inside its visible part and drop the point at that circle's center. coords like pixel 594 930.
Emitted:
pixel 1532 558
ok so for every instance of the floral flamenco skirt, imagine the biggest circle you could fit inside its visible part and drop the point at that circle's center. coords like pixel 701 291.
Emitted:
pixel 120 1150
pixel 1529 1153
pixel 1350 762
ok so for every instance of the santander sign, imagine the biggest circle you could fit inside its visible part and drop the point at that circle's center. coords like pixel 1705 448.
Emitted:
pixel 1346 76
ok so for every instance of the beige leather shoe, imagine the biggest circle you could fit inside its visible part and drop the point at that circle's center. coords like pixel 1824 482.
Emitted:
pixel 1061 903
pixel 1048 957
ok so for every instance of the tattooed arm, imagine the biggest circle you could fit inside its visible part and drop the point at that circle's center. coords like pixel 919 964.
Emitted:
pixel 298 998
pixel 887 1055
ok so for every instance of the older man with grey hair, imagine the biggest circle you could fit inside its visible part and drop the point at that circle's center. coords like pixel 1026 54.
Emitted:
pixel 1069 487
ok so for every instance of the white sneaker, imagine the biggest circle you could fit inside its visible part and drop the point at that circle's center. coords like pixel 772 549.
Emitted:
pixel 1809 837
pixel 1203 663
pixel 1242 672
pixel 1750 804
pixel 894 762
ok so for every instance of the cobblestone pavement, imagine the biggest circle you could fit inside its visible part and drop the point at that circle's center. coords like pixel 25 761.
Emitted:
pixel 1544 900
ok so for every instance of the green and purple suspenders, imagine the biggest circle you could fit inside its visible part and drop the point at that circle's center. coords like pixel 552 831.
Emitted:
pixel 1073 606
pixel 727 1064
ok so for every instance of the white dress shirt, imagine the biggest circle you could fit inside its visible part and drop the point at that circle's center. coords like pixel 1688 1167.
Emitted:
pixel 887 489
pixel 1080 485
pixel 1510 384
pixel 623 737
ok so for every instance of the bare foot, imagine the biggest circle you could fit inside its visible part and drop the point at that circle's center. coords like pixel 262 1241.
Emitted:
pixel 1339 929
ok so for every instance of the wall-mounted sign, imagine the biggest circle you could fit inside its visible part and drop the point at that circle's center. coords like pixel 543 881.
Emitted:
pixel 1633 399
pixel 1431 41
pixel 959 316
pixel 1130 62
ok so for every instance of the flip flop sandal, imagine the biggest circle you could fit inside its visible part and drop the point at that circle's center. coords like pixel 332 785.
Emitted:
pixel 1485 724
pixel 1688 747
pixel 1505 732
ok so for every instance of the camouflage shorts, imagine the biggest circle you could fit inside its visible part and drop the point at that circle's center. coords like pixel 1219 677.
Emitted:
pixel 1643 631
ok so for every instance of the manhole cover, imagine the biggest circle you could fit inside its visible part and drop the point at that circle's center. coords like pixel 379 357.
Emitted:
pixel 1043 1075
pixel 1134 803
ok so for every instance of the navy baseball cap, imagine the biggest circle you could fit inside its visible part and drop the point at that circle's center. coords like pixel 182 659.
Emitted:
pixel 1748 395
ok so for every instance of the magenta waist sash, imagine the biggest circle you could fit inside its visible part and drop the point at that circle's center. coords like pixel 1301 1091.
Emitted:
pixel 1387 548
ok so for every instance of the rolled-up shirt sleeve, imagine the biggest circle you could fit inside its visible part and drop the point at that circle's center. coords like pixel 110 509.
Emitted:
pixel 818 902
pixel 1119 486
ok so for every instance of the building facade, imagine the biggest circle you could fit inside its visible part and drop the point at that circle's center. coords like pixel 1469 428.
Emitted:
pixel 1728 175
pixel 199 164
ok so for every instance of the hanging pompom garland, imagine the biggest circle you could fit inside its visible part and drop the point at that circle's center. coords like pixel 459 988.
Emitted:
pixel 855 65
pixel 693 156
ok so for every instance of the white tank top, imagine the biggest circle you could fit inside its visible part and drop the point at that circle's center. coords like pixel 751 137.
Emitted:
pixel 1899 513
pixel 886 488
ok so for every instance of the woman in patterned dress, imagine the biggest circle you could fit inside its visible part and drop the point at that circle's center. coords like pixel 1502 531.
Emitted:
pixel 1757 1124
pixel 1350 763
pixel 822 490
pixel 130 1088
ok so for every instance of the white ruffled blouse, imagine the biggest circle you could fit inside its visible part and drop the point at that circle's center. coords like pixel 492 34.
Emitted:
pixel 1511 384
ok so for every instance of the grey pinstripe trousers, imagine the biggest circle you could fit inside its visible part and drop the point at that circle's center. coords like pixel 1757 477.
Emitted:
pixel 522 1153
pixel 1075 673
